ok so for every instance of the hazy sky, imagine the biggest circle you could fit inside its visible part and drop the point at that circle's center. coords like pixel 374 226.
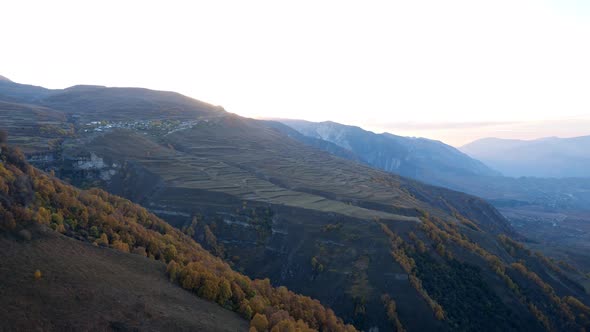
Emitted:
pixel 451 70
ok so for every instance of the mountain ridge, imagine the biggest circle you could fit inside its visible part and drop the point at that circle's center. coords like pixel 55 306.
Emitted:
pixel 544 157
pixel 412 157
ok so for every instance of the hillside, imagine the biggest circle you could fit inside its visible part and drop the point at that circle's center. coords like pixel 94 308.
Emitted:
pixel 37 208
pixel 418 158
pixel 88 288
pixel 382 250
pixel 547 157
pixel 550 211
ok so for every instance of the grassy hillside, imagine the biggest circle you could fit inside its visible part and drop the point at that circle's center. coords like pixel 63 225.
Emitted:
pixel 86 288
pixel 29 196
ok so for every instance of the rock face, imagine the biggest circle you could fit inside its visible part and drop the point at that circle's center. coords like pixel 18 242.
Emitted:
pixel 84 169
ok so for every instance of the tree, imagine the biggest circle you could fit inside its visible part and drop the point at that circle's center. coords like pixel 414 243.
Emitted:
pixel 37 275
pixel 170 253
pixel 245 309
pixel 43 216
pixel 225 292
pixel 103 240
pixel 237 293
pixel 57 218
pixel 121 246
pixel 210 288
pixel 257 303
pixel 259 322
pixel 94 232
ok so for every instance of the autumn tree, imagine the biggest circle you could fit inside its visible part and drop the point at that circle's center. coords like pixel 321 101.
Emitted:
pixel 103 240
pixel 120 245
pixel 259 322
pixel 43 216
pixel 224 292
pixel 170 252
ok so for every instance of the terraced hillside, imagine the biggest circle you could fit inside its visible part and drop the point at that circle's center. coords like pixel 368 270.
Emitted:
pixel 40 119
pixel 74 280
pixel 381 250
pixel 276 209
pixel 551 212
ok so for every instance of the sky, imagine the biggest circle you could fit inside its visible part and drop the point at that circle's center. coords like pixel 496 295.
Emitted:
pixel 449 70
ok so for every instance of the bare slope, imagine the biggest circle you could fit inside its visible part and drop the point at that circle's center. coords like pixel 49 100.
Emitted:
pixel 85 288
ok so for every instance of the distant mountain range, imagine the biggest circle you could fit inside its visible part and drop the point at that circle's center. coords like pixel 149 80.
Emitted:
pixel 436 163
pixel 419 158
pixel 545 157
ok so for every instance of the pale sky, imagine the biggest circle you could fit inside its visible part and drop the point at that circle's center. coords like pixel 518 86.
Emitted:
pixel 449 70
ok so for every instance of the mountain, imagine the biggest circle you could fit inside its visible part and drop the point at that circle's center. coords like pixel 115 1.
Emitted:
pixel 2 78
pixel 550 211
pixel 14 92
pixel 80 282
pixel 383 251
pixel 545 157
pixel 419 158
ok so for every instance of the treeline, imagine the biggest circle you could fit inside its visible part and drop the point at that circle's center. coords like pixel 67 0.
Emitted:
pixel 391 311
pixel 455 290
pixel 567 311
pixel 398 252
pixel 28 196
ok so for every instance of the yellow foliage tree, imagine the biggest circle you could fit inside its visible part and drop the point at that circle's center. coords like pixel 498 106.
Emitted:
pixel 259 322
